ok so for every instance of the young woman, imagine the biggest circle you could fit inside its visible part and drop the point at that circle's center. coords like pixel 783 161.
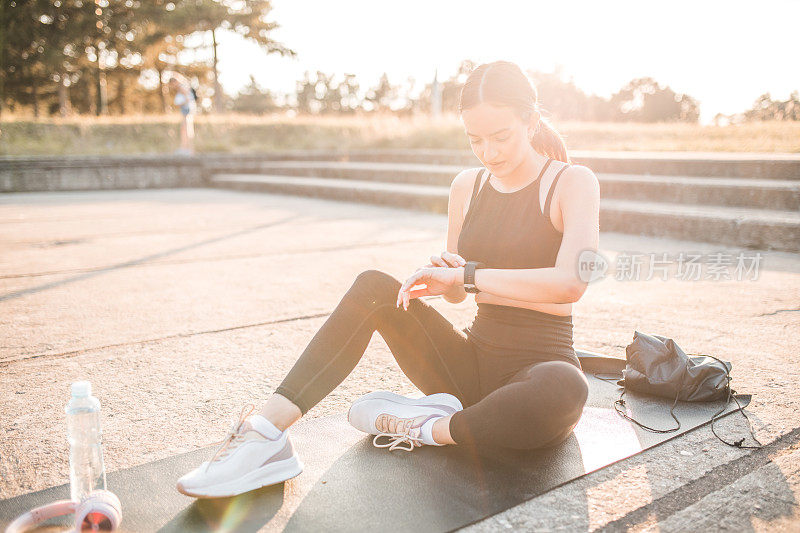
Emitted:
pixel 510 379
pixel 185 100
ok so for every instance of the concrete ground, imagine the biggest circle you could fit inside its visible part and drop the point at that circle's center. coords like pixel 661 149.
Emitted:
pixel 181 306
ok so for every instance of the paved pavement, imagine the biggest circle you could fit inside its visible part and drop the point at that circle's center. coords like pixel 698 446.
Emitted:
pixel 182 305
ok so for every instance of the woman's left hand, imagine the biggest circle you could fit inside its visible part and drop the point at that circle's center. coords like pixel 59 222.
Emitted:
pixel 437 280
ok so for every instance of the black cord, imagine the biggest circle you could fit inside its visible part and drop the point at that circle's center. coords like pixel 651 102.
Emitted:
pixel 732 396
pixel 619 404
pixel 611 377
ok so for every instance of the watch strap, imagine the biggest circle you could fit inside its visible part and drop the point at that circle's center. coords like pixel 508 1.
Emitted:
pixel 469 275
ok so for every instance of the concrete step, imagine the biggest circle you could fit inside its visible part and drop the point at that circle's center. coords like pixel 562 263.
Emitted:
pixel 736 226
pixel 412 196
pixel 781 195
pixel 763 229
pixel 65 173
pixel 733 192
pixel 714 164
pixel 418 173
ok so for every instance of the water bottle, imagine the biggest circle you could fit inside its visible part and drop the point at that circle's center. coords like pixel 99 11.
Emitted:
pixel 86 469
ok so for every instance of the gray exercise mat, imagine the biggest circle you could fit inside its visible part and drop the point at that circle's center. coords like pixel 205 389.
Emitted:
pixel 349 485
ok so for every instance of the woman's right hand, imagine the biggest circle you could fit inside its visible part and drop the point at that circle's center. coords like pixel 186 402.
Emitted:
pixel 447 259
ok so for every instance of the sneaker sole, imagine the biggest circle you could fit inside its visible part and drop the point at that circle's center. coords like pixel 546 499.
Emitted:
pixel 270 474
pixel 434 400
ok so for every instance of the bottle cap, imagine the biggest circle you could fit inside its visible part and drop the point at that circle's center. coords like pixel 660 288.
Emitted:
pixel 81 389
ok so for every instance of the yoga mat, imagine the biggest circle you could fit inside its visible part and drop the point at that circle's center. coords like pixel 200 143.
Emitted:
pixel 349 485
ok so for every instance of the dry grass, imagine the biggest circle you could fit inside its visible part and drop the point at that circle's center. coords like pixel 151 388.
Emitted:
pixel 242 133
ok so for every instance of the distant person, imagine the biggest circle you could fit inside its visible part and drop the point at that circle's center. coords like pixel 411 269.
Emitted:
pixel 512 378
pixel 186 100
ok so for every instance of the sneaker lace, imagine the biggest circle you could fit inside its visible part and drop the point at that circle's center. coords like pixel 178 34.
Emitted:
pixel 233 438
pixel 399 440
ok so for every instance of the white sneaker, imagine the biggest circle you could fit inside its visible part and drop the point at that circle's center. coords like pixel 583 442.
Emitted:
pixel 253 455
pixel 406 422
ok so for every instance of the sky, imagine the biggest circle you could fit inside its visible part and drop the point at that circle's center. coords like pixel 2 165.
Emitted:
pixel 723 53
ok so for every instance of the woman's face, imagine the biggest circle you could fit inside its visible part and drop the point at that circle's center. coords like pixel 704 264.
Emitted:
pixel 497 137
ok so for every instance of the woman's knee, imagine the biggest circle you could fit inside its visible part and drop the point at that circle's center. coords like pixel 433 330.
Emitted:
pixel 376 285
pixel 375 276
pixel 570 387
pixel 564 381
pixel 559 391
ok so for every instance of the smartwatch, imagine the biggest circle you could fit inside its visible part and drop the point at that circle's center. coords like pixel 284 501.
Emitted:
pixel 469 276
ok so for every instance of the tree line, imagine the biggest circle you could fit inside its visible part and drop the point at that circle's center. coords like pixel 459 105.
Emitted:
pixel 96 56
pixel 112 56
pixel 640 100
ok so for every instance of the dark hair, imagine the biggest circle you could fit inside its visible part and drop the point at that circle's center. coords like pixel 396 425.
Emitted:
pixel 503 83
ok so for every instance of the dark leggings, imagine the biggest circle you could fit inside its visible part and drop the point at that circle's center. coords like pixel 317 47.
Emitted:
pixel 534 405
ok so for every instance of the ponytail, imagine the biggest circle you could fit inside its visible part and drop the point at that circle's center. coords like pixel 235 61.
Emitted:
pixel 548 142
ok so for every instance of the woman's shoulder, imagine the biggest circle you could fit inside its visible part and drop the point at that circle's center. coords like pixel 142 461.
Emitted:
pixel 578 185
pixel 466 178
pixel 580 176
pixel 576 169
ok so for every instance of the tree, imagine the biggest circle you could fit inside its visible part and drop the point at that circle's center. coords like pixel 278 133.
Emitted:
pixel 254 99
pixel 380 97
pixel 765 108
pixel 56 43
pixel 247 18
pixel 161 42
pixel 20 48
pixel 307 95
pixel 327 94
pixel 562 99
pixel 347 91
pixel 791 107
pixel 27 55
pixel 109 45
pixel 690 109
pixel 48 47
pixel 643 99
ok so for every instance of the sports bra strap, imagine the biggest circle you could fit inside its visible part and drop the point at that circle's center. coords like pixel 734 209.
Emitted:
pixel 477 186
pixel 544 169
pixel 550 192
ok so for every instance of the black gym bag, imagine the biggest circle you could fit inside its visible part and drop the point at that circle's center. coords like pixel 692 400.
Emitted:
pixel 657 366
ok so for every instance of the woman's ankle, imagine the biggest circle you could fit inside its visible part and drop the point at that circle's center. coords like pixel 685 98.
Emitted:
pixel 441 431
pixel 280 411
